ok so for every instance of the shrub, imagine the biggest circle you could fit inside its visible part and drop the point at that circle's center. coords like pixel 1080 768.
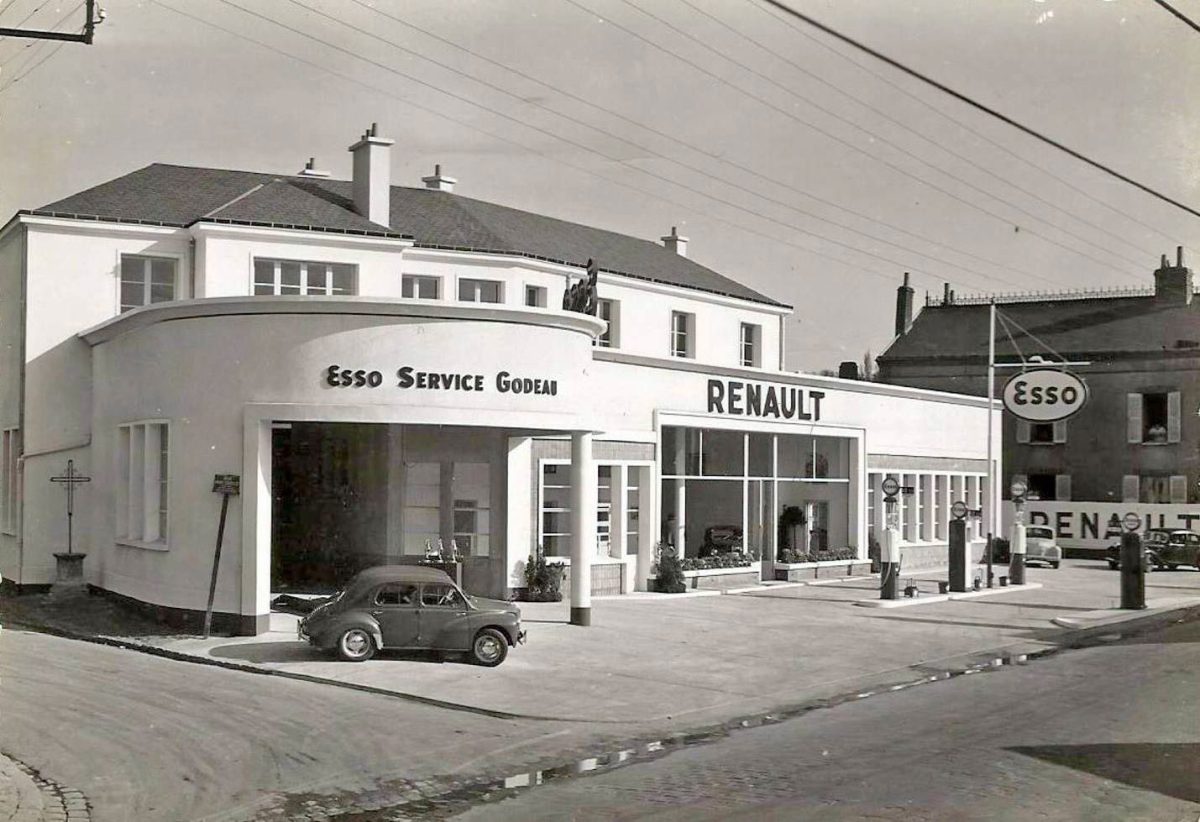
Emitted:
pixel 731 559
pixel 543 580
pixel 670 572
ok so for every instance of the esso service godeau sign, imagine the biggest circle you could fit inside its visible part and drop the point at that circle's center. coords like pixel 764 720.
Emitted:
pixel 1044 395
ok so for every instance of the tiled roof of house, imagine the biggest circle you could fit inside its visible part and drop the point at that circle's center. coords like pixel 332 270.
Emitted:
pixel 183 195
pixel 1126 325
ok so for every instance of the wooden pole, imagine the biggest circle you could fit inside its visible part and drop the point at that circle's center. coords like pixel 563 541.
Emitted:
pixel 212 585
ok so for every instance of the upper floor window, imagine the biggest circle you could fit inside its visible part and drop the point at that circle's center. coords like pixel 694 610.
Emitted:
pixel 535 296
pixel 751 345
pixel 682 334
pixel 479 291
pixel 1042 433
pixel 1154 417
pixel 610 312
pixel 146 280
pixel 283 277
pixel 420 287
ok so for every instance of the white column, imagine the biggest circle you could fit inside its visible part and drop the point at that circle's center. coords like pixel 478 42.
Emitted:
pixel 928 533
pixel 519 534
pixel 255 607
pixel 583 526
pixel 878 522
pixel 680 491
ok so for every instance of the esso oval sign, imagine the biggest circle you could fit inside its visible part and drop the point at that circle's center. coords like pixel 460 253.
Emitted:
pixel 1045 395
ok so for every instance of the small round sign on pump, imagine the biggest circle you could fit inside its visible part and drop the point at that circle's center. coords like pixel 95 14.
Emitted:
pixel 1044 395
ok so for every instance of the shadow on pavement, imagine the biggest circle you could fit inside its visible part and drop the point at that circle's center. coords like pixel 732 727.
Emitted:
pixel 1166 768
pixel 1031 605
pixel 257 652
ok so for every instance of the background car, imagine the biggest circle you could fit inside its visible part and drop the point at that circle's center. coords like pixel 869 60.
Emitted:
pixel 1040 546
pixel 1163 548
pixel 408 607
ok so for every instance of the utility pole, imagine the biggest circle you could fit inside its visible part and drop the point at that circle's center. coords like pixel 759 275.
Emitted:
pixel 94 18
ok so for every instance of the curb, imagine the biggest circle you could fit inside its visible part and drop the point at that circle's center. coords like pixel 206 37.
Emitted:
pixel 962 595
pixel 1114 616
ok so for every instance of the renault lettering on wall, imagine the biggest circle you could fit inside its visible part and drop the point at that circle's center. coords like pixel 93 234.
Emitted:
pixel 1045 395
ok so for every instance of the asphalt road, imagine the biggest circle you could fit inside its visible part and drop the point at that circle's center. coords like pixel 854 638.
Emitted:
pixel 1103 733
pixel 151 739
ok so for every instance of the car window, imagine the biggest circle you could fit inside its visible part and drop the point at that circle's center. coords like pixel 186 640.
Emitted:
pixel 1178 539
pixel 441 596
pixel 397 593
pixel 1039 533
pixel 1156 536
pixel 1193 539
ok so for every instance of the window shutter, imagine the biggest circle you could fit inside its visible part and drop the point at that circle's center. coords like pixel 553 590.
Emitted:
pixel 1023 428
pixel 1060 432
pixel 1134 431
pixel 1129 487
pixel 1174 416
pixel 1062 487
pixel 1178 488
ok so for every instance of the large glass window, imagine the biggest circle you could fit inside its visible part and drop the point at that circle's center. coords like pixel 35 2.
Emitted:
pixel 471 491
pixel 556 509
pixel 146 280
pixel 421 516
pixel 420 287
pixel 302 277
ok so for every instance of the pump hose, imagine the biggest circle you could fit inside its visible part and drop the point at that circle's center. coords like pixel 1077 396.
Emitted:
pixel 895 569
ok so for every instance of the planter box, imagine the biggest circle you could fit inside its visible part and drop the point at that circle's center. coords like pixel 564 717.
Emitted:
pixel 829 569
pixel 719 578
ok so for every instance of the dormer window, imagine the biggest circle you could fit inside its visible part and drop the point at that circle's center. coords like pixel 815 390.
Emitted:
pixel 275 278
pixel 146 280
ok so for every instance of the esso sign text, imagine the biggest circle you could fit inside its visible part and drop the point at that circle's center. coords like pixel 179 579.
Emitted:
pixel 1045 395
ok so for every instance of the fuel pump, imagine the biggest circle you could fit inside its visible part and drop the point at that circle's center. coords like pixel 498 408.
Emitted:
pixel 1016 564
pixel 889 551
pixel 1133 568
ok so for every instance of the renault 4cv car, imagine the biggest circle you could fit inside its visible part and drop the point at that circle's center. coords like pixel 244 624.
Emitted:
pixel 409 607
pixel 1040 546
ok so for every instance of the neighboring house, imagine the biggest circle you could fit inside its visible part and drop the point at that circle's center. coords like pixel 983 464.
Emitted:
pixel 388 367
pixel 1137 441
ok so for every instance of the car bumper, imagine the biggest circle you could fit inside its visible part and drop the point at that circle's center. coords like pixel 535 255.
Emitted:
pixel 521 637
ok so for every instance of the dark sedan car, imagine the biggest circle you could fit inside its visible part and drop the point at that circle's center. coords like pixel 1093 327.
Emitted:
pixel 408 607
pixel 1163 548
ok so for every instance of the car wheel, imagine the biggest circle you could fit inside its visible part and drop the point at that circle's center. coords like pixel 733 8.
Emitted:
pixel 489 648
pixel 355 645
pixel 1054 565
pixel 1113 566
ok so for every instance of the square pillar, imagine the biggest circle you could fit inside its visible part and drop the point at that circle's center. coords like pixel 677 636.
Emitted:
pixel 648 531
pixel 617 520
pixel 942 489
pixel 928 531
pixel 583 526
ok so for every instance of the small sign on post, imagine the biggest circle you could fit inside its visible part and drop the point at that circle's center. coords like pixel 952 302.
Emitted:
pixel 227 485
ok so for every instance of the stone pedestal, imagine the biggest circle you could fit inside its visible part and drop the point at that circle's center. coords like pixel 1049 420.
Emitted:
pixel 70 570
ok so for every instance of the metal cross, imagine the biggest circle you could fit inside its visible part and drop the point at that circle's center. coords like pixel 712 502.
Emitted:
pixel 70 479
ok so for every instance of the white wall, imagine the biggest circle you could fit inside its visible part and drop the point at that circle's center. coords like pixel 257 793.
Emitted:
pixel 12 251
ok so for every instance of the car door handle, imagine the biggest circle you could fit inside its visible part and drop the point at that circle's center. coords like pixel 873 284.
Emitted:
pixel 376 613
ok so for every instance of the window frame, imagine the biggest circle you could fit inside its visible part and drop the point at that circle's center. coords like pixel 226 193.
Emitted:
pixel 754 341
pixel 306 289
pixel 417 280
pixel 176 261
pixel 10 481
pixel 687 335
pixel 477 282
pixel 132 521
pixel 540 294
pixel 611 338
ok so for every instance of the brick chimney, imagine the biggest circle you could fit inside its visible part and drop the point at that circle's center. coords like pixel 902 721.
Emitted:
pixel 904 307
pixel 674 242
pixel 373 176
pixel 1173 283
pixel 438 181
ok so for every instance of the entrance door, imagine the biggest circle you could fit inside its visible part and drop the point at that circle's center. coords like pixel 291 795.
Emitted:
pixel 445 620
pixel 816 530
pixel 760 513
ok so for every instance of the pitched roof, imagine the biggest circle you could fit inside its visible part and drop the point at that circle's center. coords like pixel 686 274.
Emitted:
pixel 1092 325
pixel 183 195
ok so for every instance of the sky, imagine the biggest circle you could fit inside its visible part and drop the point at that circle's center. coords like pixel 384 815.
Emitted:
pixel 795 164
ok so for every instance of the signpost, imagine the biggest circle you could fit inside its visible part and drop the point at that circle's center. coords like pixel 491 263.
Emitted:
pixel 70 564
pixel 227 485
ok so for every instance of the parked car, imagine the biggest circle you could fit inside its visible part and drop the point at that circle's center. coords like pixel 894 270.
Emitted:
pixel 1040 546
pixel 1163 548
pixel 409 607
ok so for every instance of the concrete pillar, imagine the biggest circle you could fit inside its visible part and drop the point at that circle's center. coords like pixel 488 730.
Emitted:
pixel 680 492
pixel 619 495
pixel 583 526
pixel 395 492
pixel 942 489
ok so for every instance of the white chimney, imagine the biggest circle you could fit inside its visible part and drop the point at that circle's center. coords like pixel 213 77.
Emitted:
pixel 438 182
pixel 310 169
pixel 373 176
pixel 675 243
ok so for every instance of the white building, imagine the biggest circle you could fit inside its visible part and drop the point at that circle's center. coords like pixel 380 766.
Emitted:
pixel 386 366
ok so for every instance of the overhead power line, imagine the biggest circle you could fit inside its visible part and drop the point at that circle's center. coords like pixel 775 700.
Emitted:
pixel 1178 14
pixel 961 123
pixel 441 114
pixel 982 107
pixel 792 116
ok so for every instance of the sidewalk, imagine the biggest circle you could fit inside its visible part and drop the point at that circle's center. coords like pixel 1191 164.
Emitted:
pixel 20 800
pixel 670 663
